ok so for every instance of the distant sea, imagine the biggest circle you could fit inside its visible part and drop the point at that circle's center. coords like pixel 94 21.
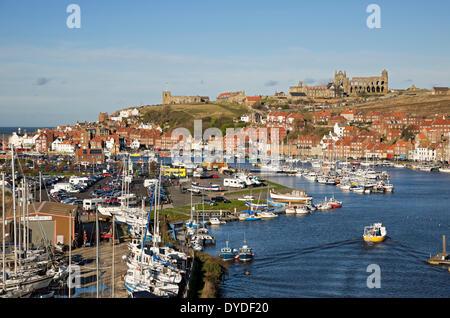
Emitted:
pixel 7 131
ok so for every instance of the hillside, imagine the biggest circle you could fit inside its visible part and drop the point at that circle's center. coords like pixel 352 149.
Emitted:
pixel 421 105
pixel 212 115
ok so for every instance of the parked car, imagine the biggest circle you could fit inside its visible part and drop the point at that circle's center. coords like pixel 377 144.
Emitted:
pixel 220 199
pixel 209 202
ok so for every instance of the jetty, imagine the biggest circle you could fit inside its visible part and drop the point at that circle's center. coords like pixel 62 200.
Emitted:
pixel 441 258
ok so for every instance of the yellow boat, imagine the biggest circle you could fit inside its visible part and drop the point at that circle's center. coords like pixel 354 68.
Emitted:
pixel 374 233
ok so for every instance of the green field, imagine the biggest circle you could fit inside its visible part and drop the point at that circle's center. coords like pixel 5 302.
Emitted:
pixel 212 115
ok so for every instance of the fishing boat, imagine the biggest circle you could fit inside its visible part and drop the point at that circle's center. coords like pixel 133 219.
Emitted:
pixel 290 210
pixel 324 205
pixel 388 187
pixel 374 233
pixel 335 203
pixel 227 253
pixel 206 187
pixel 294 197
pixel 245 253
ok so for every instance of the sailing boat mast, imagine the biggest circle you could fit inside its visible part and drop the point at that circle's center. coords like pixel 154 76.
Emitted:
pixel 113 226
pixel 70 251
pixel 3 229
pixel 97 254
pixel 14 207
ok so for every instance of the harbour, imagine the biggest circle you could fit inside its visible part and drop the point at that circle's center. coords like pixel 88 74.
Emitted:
pixel 323 254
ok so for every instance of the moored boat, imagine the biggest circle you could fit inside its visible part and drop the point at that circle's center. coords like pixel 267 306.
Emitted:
pixel 227 253
pixel 294 197
pixel 212 187
pixel 245 253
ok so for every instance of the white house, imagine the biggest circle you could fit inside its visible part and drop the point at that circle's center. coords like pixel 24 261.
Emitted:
pixel 338 131
pixel 423 154
pixel 63 146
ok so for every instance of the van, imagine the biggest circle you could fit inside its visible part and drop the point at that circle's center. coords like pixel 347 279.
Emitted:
pixel 91 204
pixel 234 183
pixel 77 180
pixel 150 182
pixel 63 186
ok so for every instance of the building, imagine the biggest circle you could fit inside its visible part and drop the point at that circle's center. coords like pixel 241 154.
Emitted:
pixel 321 91
pixel 86 156
pixel 440 91
pixel 361 85
pixel 102 117
pixel 343 86
pixel 48 222
pixel 168 99
pixel 232 97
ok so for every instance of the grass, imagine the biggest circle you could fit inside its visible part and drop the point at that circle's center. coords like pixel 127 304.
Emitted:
pixel 420 105
pixel 207 275
pixel 272 186
pixel 212 115
pixel 182 213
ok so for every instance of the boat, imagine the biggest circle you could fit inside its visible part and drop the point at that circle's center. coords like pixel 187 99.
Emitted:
pixel 212 187
pixel 247 198
pixel 227 253
pixel 322 179
pixel 216 221
pixel 301 210
pixel 276 204
pixel 312 176
pixel 357 189
pixel 335 203
pixel 294 197
pixel 388 187
pixel 266 215
pixel 252 217
pixel 245 253
pixel 446 170
pixel 290 210
pixel 374 233
pixel 344 186
pixel 255 205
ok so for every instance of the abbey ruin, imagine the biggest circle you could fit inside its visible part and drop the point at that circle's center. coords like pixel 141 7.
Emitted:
pixel 343 86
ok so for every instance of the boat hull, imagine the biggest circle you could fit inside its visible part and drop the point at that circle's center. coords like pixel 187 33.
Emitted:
pixel 374 238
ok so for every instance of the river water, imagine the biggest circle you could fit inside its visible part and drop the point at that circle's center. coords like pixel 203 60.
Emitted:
pixel 323 254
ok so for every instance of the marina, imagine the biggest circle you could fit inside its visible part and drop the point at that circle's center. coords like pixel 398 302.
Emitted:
pixel 323 254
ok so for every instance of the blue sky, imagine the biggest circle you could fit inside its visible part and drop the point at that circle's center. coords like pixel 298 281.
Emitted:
pixel 127 52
